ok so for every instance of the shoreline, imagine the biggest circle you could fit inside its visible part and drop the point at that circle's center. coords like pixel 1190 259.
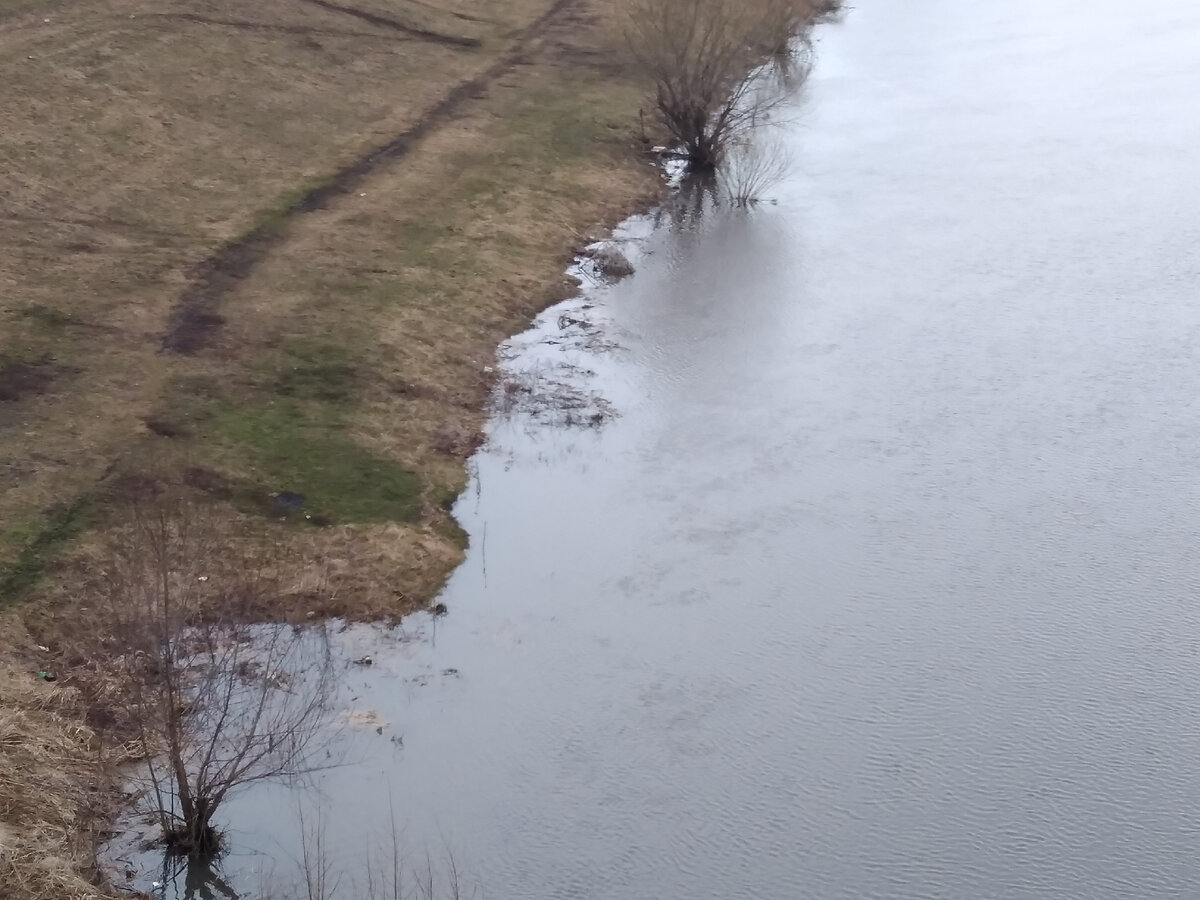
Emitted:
pixel 341 349
pixel 551 131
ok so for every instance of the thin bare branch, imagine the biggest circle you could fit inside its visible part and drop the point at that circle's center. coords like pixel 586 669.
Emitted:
pixel 708 62
pixel 221 704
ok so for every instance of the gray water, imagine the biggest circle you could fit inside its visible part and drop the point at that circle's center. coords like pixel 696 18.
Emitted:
pixel 883 581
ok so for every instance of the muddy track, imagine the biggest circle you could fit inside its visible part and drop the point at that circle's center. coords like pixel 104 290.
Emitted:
pixel 302 30
pixel 196 315
pixel 396 24
pixel 449 12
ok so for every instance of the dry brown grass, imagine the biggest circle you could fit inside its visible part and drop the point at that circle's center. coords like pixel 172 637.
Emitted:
pixel 137 139
pixel 49 793
pixel 130 163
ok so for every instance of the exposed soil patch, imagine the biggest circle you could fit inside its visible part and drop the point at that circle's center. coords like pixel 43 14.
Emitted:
pixel 302 30
pixel 209 482
pixel 395 24
pixel 23 379
pixel 166 427
pixel 450 12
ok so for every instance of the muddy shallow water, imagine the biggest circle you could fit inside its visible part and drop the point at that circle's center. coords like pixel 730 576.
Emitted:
pixel 882 583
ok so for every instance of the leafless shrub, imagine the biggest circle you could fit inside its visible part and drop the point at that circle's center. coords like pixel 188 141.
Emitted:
pixel 755 163
pixel 783 25
pixel 219 704
pixel 705 59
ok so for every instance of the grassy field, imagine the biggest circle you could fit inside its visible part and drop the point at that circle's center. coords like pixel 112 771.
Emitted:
pixel 263 248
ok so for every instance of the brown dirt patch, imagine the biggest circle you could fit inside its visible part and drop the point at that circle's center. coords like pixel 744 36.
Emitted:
pixel 19 379
pixel 397 25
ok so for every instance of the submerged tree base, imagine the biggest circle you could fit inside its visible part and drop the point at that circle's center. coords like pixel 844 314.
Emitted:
pixel 196 843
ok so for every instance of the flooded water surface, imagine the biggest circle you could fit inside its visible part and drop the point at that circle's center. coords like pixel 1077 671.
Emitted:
pixel 882 582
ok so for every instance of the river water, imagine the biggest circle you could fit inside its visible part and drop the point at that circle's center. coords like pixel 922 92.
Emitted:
pixel 882 582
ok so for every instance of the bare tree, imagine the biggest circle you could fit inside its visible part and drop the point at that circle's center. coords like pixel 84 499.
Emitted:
pixel 219 703
pixel 705 61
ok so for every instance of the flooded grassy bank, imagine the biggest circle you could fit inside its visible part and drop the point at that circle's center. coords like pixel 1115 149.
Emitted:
pixel 878 584
pixel 304 344
pixel 351 371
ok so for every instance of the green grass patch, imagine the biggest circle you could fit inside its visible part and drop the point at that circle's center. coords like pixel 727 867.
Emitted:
pixel 318 370
pixel 61 526
pixel 287 445
pixel 284 429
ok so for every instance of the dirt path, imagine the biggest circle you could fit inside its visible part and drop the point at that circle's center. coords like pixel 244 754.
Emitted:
pixel 405 35
pixel 397 25
pixel 197 316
